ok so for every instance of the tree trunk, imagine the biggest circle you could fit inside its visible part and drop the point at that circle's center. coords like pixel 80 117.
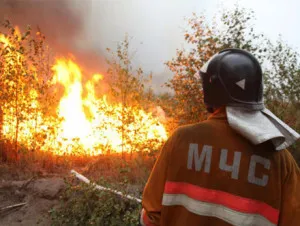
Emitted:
pixel 3 154
pixel 17 121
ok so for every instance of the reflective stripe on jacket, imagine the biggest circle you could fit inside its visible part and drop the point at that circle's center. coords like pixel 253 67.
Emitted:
pixel 207 174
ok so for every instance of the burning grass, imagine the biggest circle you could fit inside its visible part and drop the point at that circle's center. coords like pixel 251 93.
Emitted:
pixel 52 108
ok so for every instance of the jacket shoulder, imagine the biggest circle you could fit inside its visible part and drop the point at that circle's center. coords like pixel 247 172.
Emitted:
pixel 192 127
pixel 205 128
pixel 289 163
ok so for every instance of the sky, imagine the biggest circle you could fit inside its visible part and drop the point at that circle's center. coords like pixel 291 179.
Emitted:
pixel 156 26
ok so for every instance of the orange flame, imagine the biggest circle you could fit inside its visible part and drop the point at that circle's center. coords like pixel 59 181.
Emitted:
pixel 87 125
pixel 103 128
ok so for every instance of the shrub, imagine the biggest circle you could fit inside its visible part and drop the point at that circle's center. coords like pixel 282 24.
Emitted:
pixel 83 205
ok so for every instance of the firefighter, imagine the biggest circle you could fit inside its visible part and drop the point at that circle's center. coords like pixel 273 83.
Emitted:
pixel 232 169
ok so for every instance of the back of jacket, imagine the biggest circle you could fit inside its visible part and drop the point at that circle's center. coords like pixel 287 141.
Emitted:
pixel 207 174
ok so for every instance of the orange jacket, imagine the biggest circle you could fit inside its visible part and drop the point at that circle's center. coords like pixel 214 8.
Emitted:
pixel 207 174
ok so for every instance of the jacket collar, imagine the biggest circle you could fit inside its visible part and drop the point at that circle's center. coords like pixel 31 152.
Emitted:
pixel 219 114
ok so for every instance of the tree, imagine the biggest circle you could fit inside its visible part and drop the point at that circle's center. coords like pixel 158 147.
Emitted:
pixel 25 80
pixel 16 82
pixel 282 76
pixel 127 86
pixel 187 89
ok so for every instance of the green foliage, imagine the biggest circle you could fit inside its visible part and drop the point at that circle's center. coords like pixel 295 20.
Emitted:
pixel 238 31
pixel 80 204
pixel 282 86
pixel 83 205
pixel 282 74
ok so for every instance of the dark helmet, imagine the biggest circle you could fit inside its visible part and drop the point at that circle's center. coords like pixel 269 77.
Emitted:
pixel 233 77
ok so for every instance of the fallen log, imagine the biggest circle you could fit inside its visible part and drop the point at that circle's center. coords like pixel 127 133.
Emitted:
pixel 87 181
pixel 13 206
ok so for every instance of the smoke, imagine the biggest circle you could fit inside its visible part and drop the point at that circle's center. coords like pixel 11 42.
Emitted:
pixel 62 22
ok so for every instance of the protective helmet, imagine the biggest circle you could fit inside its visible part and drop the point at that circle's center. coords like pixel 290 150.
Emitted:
pixel 233 77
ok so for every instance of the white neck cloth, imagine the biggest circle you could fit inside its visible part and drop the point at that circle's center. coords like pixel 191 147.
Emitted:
pixel 261 126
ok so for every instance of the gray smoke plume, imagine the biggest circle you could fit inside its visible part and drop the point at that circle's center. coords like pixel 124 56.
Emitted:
pixel 62 22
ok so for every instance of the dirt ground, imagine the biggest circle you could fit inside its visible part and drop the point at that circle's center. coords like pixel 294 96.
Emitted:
pixel 40 186
pixel 39 194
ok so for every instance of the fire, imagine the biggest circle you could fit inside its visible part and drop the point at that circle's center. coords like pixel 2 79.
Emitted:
pixel 85 123
pixel 102 129
pixel 75 123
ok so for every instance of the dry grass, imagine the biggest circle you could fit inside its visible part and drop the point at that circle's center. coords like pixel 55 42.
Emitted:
pixel 129 168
